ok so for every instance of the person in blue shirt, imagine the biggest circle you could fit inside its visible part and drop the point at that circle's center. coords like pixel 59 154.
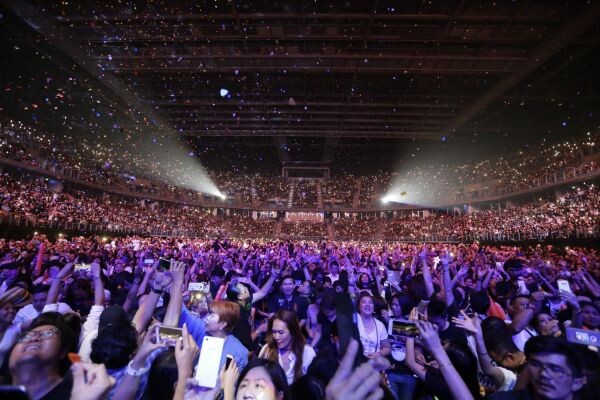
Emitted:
pixel 221 320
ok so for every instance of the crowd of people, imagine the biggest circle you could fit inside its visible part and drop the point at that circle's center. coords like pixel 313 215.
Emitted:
pixel 100 164
pixel 576 213
pixel 90 318
pixel 36 203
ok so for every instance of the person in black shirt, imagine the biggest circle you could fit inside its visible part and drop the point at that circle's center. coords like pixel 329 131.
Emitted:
pixel 288 300
pixel 437 314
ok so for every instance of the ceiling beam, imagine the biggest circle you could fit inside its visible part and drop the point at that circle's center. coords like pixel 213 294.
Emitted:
pixel 571 31
pixel 261 17
pixel 304 133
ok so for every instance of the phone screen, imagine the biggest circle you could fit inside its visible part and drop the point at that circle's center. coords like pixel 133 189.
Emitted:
pixel 563 286
pixel 168 335
pixel 196 286
pixel 403 328
pixel 164 264
pixel 82 267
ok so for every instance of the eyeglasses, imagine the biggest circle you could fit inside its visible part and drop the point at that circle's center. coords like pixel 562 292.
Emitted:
pixel 42 335
pixel 554 370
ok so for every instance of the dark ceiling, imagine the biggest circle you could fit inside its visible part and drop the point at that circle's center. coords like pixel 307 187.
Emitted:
pixel 337 81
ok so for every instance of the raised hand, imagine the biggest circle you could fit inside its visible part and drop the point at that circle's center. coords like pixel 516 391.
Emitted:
pixel 429 336
pixel 177 270
pixel 472 325
pixel 65 271
pixel 462 271
pixel 186 351
pixel 90 381
pixel 346 384
pixel 161 281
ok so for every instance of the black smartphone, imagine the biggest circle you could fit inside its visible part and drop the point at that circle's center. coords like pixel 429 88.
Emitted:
pixel 228 361
pixel 13 392
pixel 164 264
pixel 346 324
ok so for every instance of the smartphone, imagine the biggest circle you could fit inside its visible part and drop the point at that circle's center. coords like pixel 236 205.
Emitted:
pixel 209 363
pixel 14 392
pixel 522 287
pixel 346 323
pixel 228 361
pixel 149 261
pixel 83 267
pixel 403 328
pixel 422 307
pixel 164 264
pixel 196 286
pixel 168 335
pixel 563 286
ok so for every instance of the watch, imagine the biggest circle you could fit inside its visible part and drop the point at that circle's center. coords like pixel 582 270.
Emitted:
pixel 135 372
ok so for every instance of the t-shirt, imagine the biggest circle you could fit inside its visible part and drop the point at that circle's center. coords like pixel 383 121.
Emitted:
pixel 297 304
pixel 197 328
pixel 371 341
pixel 61 391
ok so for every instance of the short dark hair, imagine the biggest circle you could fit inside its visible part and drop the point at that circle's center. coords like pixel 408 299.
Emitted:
pixel 437 308
pixel 68 340
pixel 114 346
pixel 40 289
pixel 554 345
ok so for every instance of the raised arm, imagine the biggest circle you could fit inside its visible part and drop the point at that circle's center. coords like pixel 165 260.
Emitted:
pixel 473 325
pixel 98 285
pixel 431 340
pixel 174 308
pixel 448 283
pixel 264 290
pixel 427 277
pixel 522 319
pixel 56 282
pixel 143 315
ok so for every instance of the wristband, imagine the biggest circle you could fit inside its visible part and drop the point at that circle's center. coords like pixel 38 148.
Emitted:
pixel 135 372
pixel 157 291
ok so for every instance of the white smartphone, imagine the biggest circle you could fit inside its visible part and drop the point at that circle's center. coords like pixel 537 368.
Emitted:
pixel 522 287
pixel 209 364
pixel 563 286
pixel 196 286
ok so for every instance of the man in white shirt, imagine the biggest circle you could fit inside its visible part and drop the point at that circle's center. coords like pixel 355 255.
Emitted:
pixel 33 310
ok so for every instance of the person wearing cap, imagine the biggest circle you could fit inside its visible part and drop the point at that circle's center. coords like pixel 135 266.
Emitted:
pixel 9 328
pixel 39 295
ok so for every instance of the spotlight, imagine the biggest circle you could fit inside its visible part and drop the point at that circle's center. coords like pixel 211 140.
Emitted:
pixel 222 196
pixel 385 200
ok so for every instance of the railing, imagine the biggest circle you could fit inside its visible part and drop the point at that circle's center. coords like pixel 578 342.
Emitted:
pixel 539 236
